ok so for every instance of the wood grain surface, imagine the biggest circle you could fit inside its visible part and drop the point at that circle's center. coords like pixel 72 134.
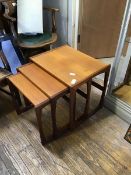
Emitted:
pixel 28 89
pixel 69 65
pixel 45 82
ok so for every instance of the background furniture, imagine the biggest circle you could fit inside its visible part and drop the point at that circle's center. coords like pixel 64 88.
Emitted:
pixel 11 53
pixel 8 61
pixel 32 43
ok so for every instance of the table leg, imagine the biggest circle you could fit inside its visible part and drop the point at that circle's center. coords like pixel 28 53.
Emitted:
pixel 105 86
pixel 53 115
pixel 39 121
pixel 87 106
pixel 15 97
pixel 72 107
pixel 26 101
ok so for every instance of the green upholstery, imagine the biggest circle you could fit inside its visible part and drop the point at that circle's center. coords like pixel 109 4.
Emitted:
pixel 34 39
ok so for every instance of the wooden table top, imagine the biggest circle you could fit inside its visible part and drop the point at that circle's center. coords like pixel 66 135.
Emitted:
pixel 42 80
pixel 69 65
pixel 30 91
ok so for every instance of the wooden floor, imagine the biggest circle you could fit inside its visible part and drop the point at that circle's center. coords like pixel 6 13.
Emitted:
pixel 124 94
pixel 97 147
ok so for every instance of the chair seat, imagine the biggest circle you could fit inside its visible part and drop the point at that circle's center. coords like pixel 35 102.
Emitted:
pixel 36 41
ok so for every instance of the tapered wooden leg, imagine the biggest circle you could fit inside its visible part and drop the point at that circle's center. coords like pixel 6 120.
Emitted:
pixel 53 116
pixel 15 98
pixel 39 121
pixel 27 102
pixel 105 86
pixel 72 107
pixel 87 106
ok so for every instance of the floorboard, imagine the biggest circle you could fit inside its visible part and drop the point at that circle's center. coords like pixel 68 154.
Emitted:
pixel 96 147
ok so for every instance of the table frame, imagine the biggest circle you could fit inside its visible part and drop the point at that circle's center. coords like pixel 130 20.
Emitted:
pixel 73 122
pixel 20 108
pixel 76 89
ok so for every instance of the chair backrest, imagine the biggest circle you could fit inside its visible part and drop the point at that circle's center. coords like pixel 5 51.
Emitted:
pixel 26 22
pixel 10 7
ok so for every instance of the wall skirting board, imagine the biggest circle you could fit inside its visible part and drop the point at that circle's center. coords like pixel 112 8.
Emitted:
pixel 119 107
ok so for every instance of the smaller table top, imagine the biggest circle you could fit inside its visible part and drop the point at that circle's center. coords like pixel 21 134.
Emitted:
pixel 70 66
pixel 42 80
pixel 28 89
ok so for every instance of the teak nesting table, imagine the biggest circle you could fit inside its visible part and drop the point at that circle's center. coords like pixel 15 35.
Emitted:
pixel 53 74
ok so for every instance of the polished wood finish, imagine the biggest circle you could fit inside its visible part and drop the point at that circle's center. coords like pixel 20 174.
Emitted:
pixel 74 68
pixel 69 65
pixel 45 82
pixel 31 95
pixel 28 89
pixel 99 26
pixel 37 90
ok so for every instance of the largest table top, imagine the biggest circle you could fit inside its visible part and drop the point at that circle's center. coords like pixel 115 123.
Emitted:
pixel 69 65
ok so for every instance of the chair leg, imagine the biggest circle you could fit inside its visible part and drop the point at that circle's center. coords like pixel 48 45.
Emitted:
pixel 39 122
pixel 53 115
pixel 87 106
pixel 17 96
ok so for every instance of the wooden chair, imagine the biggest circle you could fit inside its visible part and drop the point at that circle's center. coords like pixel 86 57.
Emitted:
pixel 33 43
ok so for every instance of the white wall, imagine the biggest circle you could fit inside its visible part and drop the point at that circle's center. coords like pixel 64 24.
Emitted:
pixel 73 18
